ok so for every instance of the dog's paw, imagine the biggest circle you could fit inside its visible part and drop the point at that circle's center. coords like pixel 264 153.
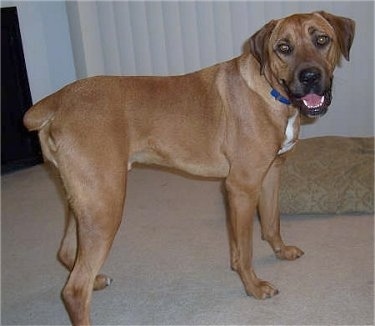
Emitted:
pixel 262 290
pixel 289 253
pixel 101 282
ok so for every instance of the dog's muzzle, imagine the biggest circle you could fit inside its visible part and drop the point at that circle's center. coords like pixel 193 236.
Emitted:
pixel 311 96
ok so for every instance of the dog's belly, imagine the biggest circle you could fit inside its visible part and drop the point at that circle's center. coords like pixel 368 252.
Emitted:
pixel 216 167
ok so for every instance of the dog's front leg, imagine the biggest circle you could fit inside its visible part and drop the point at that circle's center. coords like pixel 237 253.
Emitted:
pixel 270 216
pixel 242 204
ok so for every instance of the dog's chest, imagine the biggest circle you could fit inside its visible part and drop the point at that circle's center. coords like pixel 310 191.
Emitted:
pixel 291 134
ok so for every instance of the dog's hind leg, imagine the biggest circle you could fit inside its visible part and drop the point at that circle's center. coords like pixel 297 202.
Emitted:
pixel 96 191
pixel 68 247
pixel 269 213
pixel 68 250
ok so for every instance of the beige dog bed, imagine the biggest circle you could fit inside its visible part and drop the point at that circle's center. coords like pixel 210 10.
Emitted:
pixel 329 175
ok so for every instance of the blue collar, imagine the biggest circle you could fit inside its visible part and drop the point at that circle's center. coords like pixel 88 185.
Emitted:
pixel 279 97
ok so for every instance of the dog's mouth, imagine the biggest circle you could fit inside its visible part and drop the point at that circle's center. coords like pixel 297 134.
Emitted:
pixel 313 105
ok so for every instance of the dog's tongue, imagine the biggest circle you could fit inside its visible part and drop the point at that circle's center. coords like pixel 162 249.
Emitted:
pixel 313 100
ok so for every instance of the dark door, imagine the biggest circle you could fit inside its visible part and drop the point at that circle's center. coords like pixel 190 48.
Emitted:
pixel 19 148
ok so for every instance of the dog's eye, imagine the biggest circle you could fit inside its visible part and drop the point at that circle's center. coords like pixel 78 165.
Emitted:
pixel 322 40
pixel 284 48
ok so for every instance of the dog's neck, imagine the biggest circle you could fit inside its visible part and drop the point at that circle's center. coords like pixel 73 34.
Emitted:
pixel 250 71
pixel 274 93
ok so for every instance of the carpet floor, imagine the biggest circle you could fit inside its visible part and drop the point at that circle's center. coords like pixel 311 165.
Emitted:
pixel 170 260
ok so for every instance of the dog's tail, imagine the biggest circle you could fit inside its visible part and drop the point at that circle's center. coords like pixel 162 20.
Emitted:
pixel 41 114
pixel 39 118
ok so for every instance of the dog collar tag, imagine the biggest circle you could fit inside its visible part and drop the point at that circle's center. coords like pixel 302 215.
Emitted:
pixel 279 97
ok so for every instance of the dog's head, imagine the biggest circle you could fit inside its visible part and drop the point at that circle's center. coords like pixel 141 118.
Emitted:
pixel 298 54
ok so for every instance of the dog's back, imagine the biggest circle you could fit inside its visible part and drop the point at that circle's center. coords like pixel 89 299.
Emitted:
pixel 119 107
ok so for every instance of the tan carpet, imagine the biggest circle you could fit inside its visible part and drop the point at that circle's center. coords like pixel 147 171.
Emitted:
pixel 170 260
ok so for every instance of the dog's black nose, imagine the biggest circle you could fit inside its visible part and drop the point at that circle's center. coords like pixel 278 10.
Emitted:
pixel 310 76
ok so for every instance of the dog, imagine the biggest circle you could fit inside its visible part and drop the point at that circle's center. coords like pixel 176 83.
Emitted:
pixel 236 120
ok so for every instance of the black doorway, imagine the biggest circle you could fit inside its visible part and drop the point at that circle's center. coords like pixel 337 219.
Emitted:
pixel 19 148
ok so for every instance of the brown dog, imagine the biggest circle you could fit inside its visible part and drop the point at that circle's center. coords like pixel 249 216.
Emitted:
pixel 233 120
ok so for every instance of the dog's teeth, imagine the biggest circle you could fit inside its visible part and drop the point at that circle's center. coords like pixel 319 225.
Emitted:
pixel 314 106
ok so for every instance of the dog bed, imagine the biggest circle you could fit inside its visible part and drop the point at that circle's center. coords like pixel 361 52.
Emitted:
pixel 329 175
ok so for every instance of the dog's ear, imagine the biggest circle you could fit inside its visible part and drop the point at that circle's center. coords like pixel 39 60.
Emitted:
pixel 345 30
pixel 258 44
